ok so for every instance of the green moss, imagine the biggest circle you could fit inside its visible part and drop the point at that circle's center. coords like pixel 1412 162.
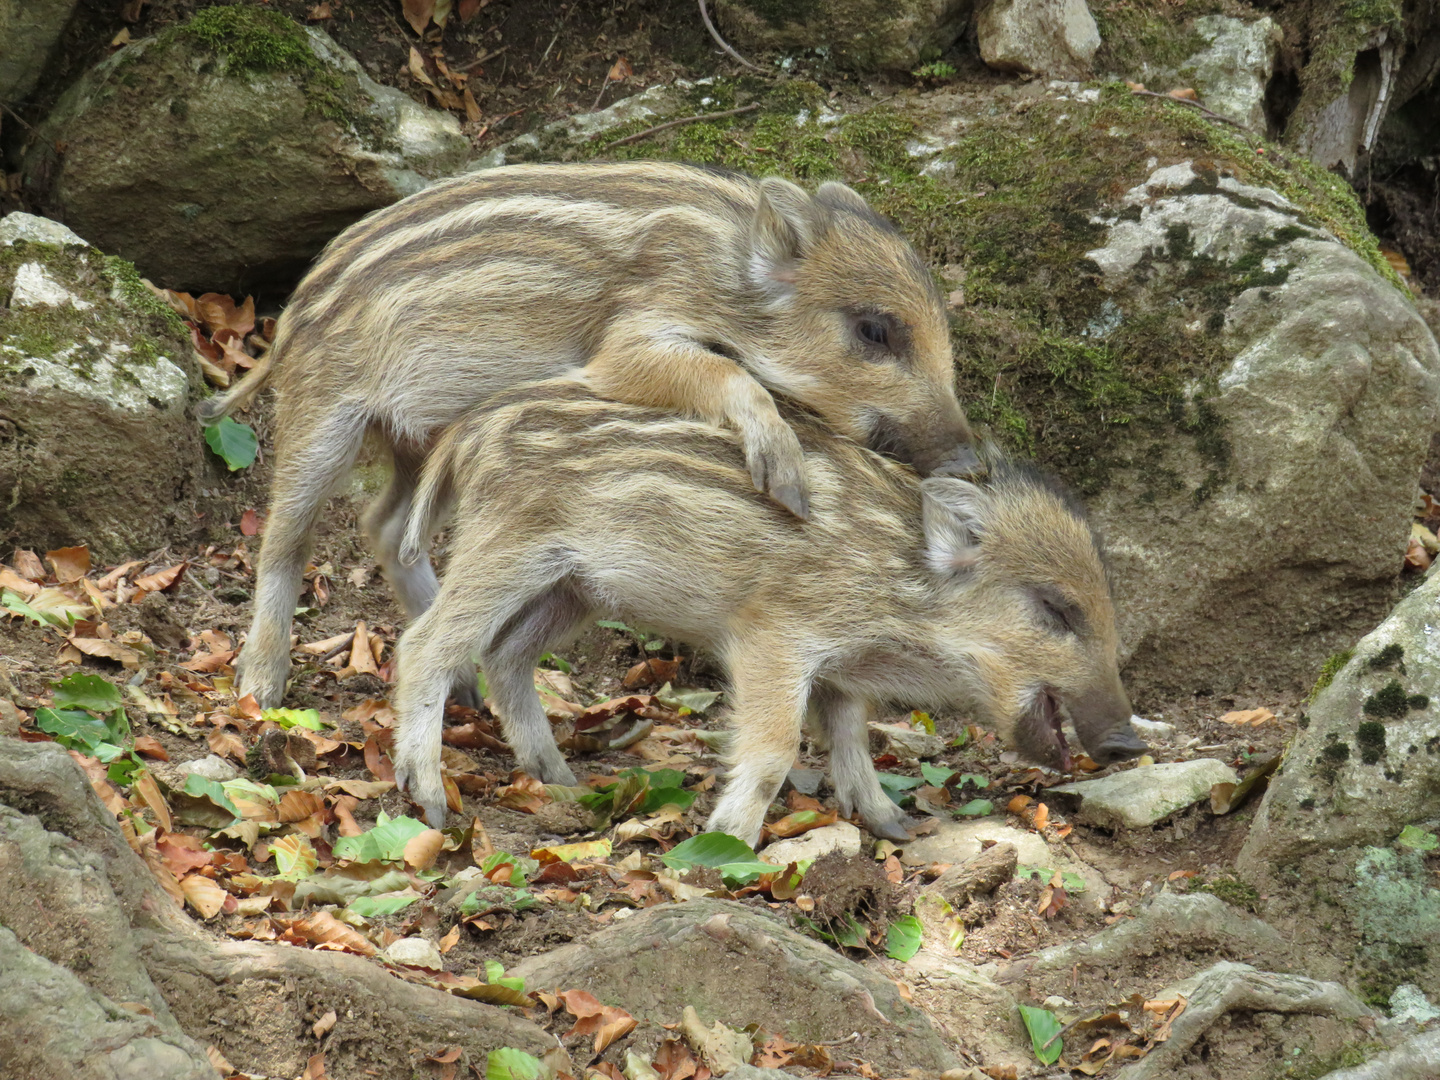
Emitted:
pixel 136 295
pixel 1397 912
pixel 1370 738
pixel 1336 752
pixel 1162 34
pixel 1328 671
pixel 251 38
pixel 1233 891
pixel 1387 657
pixel 1390 701
pixel 1347 1057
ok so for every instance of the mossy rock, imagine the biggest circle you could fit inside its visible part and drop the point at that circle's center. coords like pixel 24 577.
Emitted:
pixel 862 35
pixel 96 379
pixel 228 150
pixel 1193 328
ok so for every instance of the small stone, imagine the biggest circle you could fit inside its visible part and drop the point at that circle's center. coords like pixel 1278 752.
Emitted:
pixel 842 837
pixel 1151 729
pixel 1408 1004
pixel 210 767
pixel 905 742
pixel 1049 37
pixel 416 952
pixel 958 842
pixel 1138 798
pixel 805 781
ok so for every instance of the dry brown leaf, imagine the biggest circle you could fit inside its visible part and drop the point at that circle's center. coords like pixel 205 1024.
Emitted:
pixel 344 807
pixel 218 312
pixel 70 564
pixel 151 747
pixel 606 1022
pixel 322 1026
pixel 422 849
pixel 1252 717
pixel 620 70
pixel 318 13
pixel 377 761
pixel 149 792
pixel 417 62
pixel 652 672
pixel 315 1068
pixel 226 744
pixel 800 822
pixel 28 565
pixel 1042 815
pixel 161 579
pixel 203 895
pixel 1183 93
pixel 417 14
pixel 322 928
pixel 472 107
pixel 298 805
pixel 362 656
pixel 9 579
pixel 1018 804
pixel 1416 556
pixel 450 940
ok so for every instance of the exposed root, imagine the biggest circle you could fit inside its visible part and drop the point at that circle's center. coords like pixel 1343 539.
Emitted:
pixel 705 15
pixel 1228 987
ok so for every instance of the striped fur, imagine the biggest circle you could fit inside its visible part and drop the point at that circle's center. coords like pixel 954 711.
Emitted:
pixel 934 593
pixel 687 289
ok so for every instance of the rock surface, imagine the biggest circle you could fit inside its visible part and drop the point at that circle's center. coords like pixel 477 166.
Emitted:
pixel 862 35
pixel 1327 356
pixel 842 837
pixel 1048 37
pixel 96 379
pixel 30 30
pixel 164 140
pixel 1138 798
pixel 1368 762
pixel 1234 69
pixel 739 965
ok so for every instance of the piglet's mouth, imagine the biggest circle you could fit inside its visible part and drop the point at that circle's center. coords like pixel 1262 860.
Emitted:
pixel 1050 711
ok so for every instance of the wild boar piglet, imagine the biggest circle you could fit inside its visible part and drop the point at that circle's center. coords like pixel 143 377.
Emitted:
pixel 896 591
pixel 687 289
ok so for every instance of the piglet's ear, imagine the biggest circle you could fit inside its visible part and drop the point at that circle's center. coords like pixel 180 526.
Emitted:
pixel 953 512
pixel 785 227
pixel 835 194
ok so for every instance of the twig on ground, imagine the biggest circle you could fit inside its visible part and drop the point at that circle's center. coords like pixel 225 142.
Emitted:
pixel 482 59
pixel 683 120
pixel 1194 105
pixel 17 119
pixel 705 15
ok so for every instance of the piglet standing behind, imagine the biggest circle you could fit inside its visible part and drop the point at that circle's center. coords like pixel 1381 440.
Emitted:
pixel 687 289
pixel 926 594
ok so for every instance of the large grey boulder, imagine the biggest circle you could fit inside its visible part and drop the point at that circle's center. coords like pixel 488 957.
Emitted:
pixel 1368 761
pixel 30 30
pixel 740 965
pixel 230 149
pixel 1049 37
pixel 1326 410
pixel 96 379
pixel 863 35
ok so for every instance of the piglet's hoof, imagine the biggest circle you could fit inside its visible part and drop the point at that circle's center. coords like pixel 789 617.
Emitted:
pixel 896 831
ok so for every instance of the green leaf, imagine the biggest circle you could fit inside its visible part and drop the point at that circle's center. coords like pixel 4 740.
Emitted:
pixel 289 718
pixel 522 866
pixel 495 974
pixel 976 808
pixel 1073 882
pixel 369 907
pixel 612 624
pixel 902 939
pixel 1043 1026
pixel 13 601
pixel 242 788
pixel 495 897
pixel 510 1064
pixel 556 662
pixel 975 780
pixel 80 691
pixel 851 933
pixel 74 729
pixel 896 785
pixel 1417 838
pixel 696 701
pixel 106 752
pixel 210 789
pixel 923 721
pixel 655 798
pixel 736 874
pixel 385 841
pixel 234 442
pixel 655 644
pixel 122 770
pixel 935 775
pixel 708 849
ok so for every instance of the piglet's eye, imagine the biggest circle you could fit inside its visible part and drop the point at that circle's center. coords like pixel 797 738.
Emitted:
pixel 873 331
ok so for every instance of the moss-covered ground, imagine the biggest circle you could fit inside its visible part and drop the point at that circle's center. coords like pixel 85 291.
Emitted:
pixel 1045 358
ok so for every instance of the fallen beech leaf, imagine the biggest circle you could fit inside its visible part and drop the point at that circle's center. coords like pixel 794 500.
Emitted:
pixel 322 928
pixel 620 70
pixel 249 523
pixel 802 821
pixel 182 853
pixel 315 1068
pixel 9 579
pixel 652 672
pixel 1018 803
pixel 299 805
pixel 150 747
pixel 28 565
pixel 70 564
pixel 417 62
pixel 673 1061
pixel 225 744
pixel 149 793
pixel 161 579
pixel 324 1024
pixel 472 107
pixel 1135 85
pixel 1042 815
pixel 1416 556
pixel 450 940
pixel 1183 93
pixel 219 312
pixel 344 808
pixel 422 849
pixel 377 761
pixel 203 895
pixel 362 657
pixel 316 14
pixel 1252 717
pixel 606 1022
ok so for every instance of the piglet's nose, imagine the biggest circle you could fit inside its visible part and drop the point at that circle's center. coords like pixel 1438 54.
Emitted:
pixel 962 461
pixel 1120 745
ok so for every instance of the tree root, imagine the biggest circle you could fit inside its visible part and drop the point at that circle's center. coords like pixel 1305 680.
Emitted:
pixel 1417 1058
pixel 102 975
pixel 1228 987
